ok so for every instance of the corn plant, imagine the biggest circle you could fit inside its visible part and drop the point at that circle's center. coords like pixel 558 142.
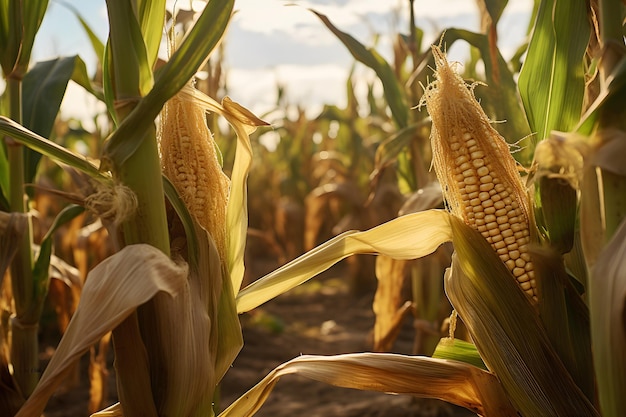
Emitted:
pixel 171 293
pixel 537 341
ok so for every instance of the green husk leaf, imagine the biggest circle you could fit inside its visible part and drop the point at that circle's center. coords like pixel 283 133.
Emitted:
pixel 552 78
pixel 565 317
pixel 451 381
pixel 406 237
pixel 509 335
pixel 459 350
pixel 610 100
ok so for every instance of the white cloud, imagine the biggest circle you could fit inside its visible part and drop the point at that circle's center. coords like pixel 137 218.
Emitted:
pixel 303 84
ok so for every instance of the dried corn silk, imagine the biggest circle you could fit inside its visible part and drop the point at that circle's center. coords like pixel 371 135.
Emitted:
pixel 189 160
pixel 477 172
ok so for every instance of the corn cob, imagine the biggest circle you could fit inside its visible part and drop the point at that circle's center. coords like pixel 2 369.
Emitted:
pixel 477 172
pixel 189 160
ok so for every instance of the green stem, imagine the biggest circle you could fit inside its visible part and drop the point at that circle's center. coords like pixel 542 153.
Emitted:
pixel 25 345
pixel 141 172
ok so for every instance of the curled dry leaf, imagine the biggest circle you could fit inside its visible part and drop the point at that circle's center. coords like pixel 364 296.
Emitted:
pixel 455 382
pixel 112 291
pixel 407 237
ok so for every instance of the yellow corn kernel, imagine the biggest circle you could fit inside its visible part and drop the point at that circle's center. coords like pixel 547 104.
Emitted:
pixel 478 175
pixel 189 160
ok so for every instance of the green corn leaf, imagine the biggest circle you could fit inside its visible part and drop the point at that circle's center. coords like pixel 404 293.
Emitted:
pixel 151 16
pixel 130 69
pixel 609 101
pixel 369 57
pixel 565 317
pixel 42 263
pixel 50 149
pixel 19 23
pixel 43 89
pixel 9 34
pixel 387 152
pixel 551 81
pixel 96 43
pixel 459 350
pixel 495 8
pixel 33 12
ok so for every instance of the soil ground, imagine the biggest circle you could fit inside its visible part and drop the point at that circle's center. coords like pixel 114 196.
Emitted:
pixel 319 317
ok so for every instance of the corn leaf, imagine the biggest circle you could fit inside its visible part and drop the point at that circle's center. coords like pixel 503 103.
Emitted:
pixel 10 34
pixel 407 237
pixel 42 264
pixel 19 23
pixel 43 89
pixel 188 332
pixel 610 99
pixel 50 149
pixel 112 291
pixel 607 298
pixel 551 81
pixel 495 8
pixel 565 317
pixel 451 381
pixel 459 350
pixel 151 16
pixel 169 79
pixel 32 16
pixel 389 149
pixel 130 69
pixel 509 335
pixel 96 43
pixel 369 57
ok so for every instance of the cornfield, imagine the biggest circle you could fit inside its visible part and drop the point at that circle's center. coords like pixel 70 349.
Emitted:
pixel 491 194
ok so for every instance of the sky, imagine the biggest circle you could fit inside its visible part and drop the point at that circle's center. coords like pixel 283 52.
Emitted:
pixel 270 42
